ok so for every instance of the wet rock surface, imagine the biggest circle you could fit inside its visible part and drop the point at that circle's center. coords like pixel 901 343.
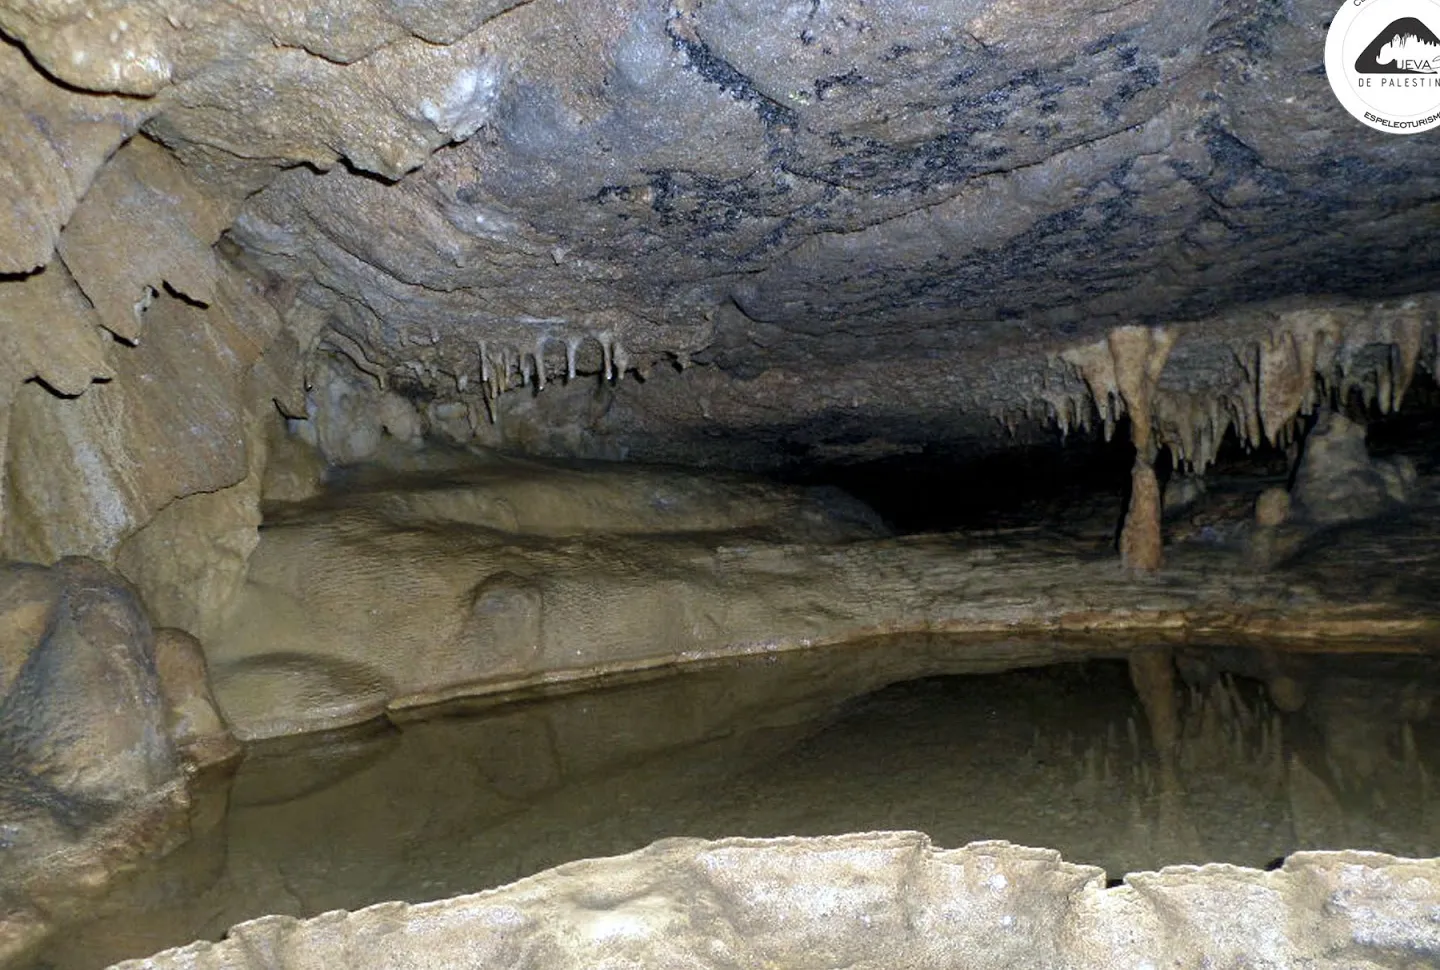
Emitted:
pixel 90 776
pixel 83 718
pixel 496 574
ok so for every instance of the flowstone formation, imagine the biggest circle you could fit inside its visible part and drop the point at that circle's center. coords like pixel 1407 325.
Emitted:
pixel 483 575
pixel 886 899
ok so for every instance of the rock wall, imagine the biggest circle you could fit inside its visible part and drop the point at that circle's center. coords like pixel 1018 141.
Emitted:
pixel 101 723
pixel 156 363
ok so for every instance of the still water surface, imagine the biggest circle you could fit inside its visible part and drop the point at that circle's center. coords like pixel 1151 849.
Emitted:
pixel 875 736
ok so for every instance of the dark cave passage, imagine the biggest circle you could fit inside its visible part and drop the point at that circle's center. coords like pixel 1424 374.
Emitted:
pixel 1080 486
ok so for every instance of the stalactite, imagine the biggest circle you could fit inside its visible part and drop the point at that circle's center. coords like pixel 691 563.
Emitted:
pixel 1123 374
pixel 1097 368
pixel 508 363
pixel 1286 379
pixel 607 351
pixel 1307 356
pixel 621 358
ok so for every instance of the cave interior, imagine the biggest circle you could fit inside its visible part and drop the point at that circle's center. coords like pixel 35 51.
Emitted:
pixel 429 427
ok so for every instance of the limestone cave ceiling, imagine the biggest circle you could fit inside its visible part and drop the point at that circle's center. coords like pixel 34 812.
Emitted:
pixel 871 205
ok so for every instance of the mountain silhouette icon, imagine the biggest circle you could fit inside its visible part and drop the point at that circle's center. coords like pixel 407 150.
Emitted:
pixel 1407 46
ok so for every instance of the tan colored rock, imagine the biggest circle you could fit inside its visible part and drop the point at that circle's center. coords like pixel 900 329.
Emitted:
pixel 1285 382
pixel 87 472
pixel 39 195
pixel 189 561
pixel 1272 508
pixel 84 716
pixel 89 777
pixel 876 900
pixel 1337 480
pixel 21 933
pixel 454 422
pixel 1141 542
pixel 294 470
pixel 399 418
pixel 144 224
pixel 196 727
pixel 1123 375
pixel 278 694
pixel 526 574
pixel 56 139
pixel 119 47
pixel 49 330
pixel 1140 354
pixel 554 499
pixel 346 423
pixel 385 113
pixel 27 599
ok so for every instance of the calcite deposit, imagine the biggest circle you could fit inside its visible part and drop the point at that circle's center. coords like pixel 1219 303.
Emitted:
pixel 878 900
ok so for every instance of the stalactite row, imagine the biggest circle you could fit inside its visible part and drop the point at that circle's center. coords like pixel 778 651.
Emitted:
pixel 505 365
pixel 1307 357
pixel 463 378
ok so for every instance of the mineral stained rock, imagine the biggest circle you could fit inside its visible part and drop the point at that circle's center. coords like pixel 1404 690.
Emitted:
pixel 876 900
pixel 90 776
pixel 720 232
pixel 813 233
pixel 193 720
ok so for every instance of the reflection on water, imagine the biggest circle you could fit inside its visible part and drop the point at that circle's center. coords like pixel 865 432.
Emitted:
pixel 803 744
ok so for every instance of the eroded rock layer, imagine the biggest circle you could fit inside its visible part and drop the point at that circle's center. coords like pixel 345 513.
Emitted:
pixel 395 593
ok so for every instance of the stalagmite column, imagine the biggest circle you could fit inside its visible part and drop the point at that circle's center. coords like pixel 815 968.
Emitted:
pixel 1140 542
pixel 1139 355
